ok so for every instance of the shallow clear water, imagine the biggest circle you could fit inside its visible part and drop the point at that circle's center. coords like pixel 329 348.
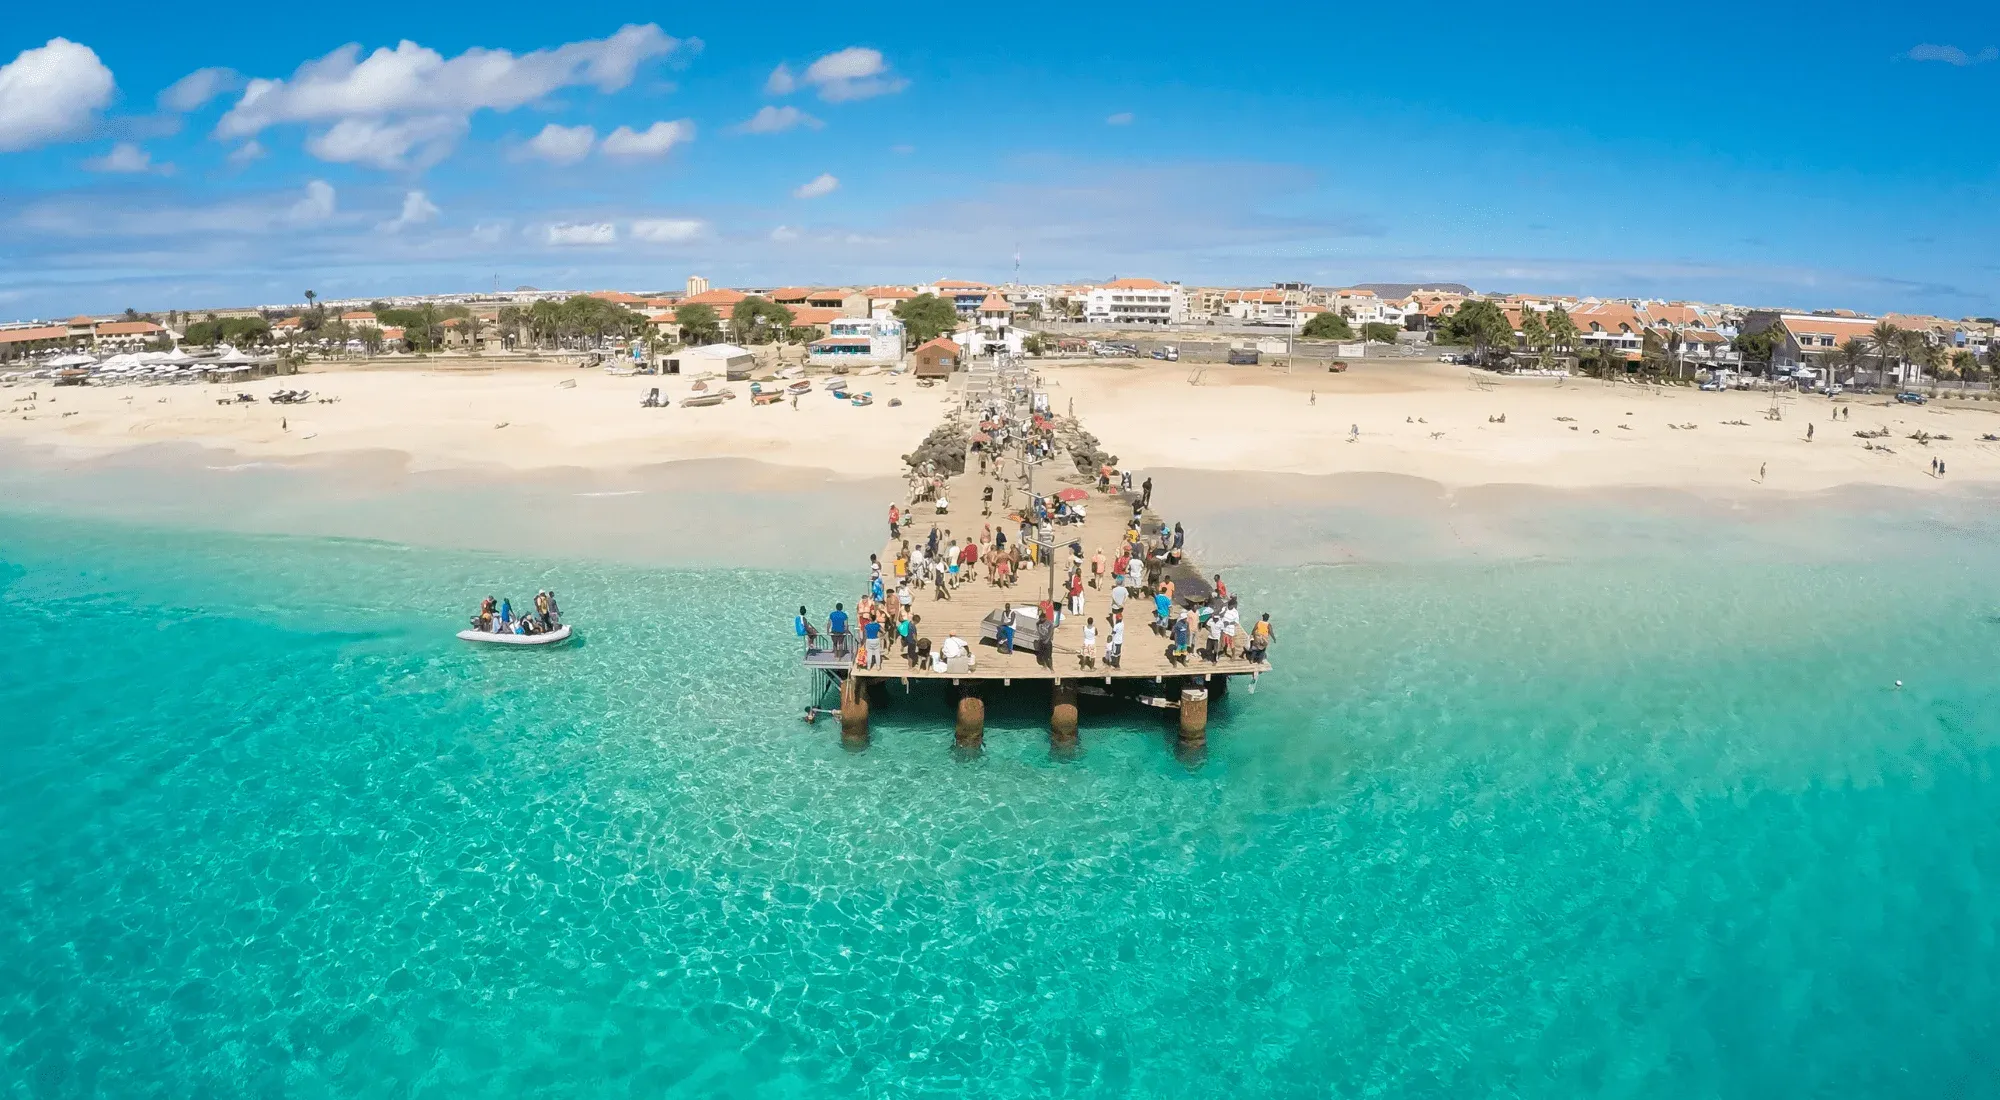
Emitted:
pixel 1618 825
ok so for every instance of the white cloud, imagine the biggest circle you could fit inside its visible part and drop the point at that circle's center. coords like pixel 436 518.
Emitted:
pixel 822 184
pixel 583 233
pixel 1952 55
pixel 193 91
pixel 1122 118
pixel 776 120
pixel 123 157
pixel 51 92
pixel 317 206
pixel 246 152
pixel 417 209
pixel 561 144
pixel 856 72
pixel 414 88
pixel 379 144
pixel 667 230
pixel 784 233
pixel 653 141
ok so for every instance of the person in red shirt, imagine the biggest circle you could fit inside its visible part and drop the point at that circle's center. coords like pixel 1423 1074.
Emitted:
pixel 895 521
pixel 1076 593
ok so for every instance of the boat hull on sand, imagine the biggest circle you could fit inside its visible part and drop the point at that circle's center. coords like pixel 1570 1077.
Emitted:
pixel 559 634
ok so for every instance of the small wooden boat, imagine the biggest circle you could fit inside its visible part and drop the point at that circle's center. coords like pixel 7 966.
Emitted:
pixel 860 399
pixel 802 386
pixel 704 400
pixel 559 634
pixel 769 397
pixel 837 387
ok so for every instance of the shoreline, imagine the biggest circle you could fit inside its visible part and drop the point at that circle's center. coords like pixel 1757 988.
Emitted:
pixel 733 510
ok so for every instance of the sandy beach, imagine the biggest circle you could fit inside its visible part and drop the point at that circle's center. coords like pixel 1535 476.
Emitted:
pixel 1424 420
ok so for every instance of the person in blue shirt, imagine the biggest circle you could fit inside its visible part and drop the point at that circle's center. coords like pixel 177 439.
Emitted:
pixel 836 625
pixel 1161 607
pixel 872 634
pixel 506 613
pixel 875 586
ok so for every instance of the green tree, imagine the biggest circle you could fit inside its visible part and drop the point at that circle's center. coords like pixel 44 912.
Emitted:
pixel 1481 324
pixel 756 320
pixel 1916 349
pixel 1327 326
pixel 371 339
pixel 1853 353
pixel 1887 340
pixel 927 317
pixel 698 324
pixel 1535 334
pixel 510 322
pixel 1966 365
pixel 1562 330
pixel 1379 332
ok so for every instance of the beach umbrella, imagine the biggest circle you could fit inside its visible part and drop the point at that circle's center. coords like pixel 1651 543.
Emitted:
pixel 1073 495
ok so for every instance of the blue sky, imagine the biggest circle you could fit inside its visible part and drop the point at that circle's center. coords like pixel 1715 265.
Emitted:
pixel 1821 155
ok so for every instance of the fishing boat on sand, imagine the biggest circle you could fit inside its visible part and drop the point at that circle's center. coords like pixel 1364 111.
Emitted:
pixel 559 634
pixel 800 387
pixel 704 400
pixel 861 399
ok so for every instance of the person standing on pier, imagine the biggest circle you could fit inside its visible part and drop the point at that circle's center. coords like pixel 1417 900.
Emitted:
pixel 1146 492
pixel 836 626
pixel 1115 650
pixel 1006 639
pixel 895 521
pixel 1087 658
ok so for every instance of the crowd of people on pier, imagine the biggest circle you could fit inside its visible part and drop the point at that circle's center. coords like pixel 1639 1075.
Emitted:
pixel 1137 574
pixel 498 617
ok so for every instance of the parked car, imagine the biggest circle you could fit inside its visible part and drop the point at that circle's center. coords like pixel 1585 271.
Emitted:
pixel 1712 387
pixel 1908 397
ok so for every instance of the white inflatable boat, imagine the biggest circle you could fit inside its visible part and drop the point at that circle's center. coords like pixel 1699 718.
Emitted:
pixel 559 634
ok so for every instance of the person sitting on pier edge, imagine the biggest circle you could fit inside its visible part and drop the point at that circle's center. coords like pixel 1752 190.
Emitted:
pixel 836 628
pixel 803 627
pixel 953 648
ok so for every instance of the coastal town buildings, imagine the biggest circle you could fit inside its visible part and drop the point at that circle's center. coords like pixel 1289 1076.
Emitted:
pixel 858 340
pixel 1136 301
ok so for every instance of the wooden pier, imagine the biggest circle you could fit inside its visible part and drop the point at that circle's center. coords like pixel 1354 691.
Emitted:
pixel 1145 674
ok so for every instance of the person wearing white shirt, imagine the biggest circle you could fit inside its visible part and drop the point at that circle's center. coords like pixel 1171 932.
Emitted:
pixel 954 647
pixel 1088 658
pixel 1214 636
pixel 1115 651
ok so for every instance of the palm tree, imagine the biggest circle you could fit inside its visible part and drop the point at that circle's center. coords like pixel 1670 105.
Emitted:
pixel 1562 330
pixel 1913 345
pixel 1887 341
pixel 1853 353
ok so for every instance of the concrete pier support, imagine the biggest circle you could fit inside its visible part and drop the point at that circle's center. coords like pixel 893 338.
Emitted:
pixel 853 712
pixel 1062 718
pixel 1194 717
pixel 971 731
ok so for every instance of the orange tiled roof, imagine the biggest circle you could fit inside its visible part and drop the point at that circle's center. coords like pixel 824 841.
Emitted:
pixel 1135 284
pixel 128 328
pixel 714 298
pixel 941 342
pixel 890 292
pixel 814 315
pixel 29 335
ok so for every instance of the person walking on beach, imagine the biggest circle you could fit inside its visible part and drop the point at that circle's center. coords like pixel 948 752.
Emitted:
pixel 1809 433
pixel 1760 471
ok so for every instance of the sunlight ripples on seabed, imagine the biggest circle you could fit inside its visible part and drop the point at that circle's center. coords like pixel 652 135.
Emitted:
pixel 1535 828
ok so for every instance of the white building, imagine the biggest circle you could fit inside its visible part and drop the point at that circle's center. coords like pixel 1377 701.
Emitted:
pixel 1136 302
pixel 865 340
pixel 994 330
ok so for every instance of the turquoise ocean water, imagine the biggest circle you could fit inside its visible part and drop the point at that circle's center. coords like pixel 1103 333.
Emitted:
pixel 1625 824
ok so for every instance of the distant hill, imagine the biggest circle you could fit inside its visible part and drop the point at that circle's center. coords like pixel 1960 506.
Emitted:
pixel 1404 290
